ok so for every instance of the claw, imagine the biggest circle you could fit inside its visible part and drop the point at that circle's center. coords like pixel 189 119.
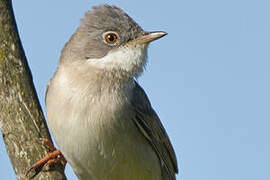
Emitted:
pixel 52 158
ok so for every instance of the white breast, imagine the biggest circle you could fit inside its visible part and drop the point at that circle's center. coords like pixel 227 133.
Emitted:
pixel 96 133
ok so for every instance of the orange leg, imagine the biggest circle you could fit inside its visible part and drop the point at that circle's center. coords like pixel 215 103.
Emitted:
pixel 48 143
pixel 52 158
pixel 59 158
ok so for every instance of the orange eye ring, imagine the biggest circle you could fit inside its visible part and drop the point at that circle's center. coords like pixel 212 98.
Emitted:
pixel 111 38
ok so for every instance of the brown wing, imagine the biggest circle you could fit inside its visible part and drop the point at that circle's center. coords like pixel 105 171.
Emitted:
pixel 149 124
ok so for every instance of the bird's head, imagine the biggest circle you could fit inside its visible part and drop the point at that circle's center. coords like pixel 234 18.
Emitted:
pixel 108 39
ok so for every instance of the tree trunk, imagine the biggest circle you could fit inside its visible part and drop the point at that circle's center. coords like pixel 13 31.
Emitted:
pixel 21 119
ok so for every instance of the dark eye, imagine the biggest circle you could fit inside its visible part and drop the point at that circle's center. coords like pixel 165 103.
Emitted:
pixel 111 38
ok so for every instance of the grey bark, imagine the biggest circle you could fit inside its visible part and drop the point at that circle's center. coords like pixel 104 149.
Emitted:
pixel 21 119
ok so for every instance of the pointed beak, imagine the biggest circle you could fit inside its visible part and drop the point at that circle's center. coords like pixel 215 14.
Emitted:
pixel 147 37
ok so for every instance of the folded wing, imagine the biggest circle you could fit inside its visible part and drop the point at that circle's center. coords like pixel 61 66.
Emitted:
pixel 149 124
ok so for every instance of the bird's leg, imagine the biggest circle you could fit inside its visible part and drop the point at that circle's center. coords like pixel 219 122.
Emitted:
pixel 48 143
pixel 55 156
pixel 58 155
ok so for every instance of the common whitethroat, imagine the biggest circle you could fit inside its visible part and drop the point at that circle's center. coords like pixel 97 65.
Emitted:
pixel 99 115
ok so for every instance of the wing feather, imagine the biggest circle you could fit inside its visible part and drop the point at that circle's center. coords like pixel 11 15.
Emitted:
pixel 149 124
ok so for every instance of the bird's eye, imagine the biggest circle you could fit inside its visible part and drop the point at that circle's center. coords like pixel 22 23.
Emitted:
pixel 111 38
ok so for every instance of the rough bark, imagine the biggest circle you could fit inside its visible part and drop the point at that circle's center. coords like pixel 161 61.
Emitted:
pixel 21 119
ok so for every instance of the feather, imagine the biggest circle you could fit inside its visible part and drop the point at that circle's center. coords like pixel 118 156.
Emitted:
pixel 149 124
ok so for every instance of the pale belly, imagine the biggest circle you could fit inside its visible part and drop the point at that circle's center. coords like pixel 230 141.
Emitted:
pixel 122 156
pixel 102 147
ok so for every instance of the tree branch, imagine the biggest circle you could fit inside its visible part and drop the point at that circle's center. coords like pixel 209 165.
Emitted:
pixel 21 119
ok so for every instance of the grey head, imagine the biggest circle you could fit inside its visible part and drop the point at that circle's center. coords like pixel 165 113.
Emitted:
pixel 110 40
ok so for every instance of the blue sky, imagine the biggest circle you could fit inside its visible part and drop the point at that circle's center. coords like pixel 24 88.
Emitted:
pixel 208 79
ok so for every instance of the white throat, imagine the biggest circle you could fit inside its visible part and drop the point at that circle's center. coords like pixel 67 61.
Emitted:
pixel 129 59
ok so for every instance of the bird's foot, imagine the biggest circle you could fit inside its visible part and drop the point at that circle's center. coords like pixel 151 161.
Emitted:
pixel 55 156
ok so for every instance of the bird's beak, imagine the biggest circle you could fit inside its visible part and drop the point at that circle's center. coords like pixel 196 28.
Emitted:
pixel 147 37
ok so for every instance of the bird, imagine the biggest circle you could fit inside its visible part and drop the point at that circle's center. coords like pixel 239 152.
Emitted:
pixel 100 117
